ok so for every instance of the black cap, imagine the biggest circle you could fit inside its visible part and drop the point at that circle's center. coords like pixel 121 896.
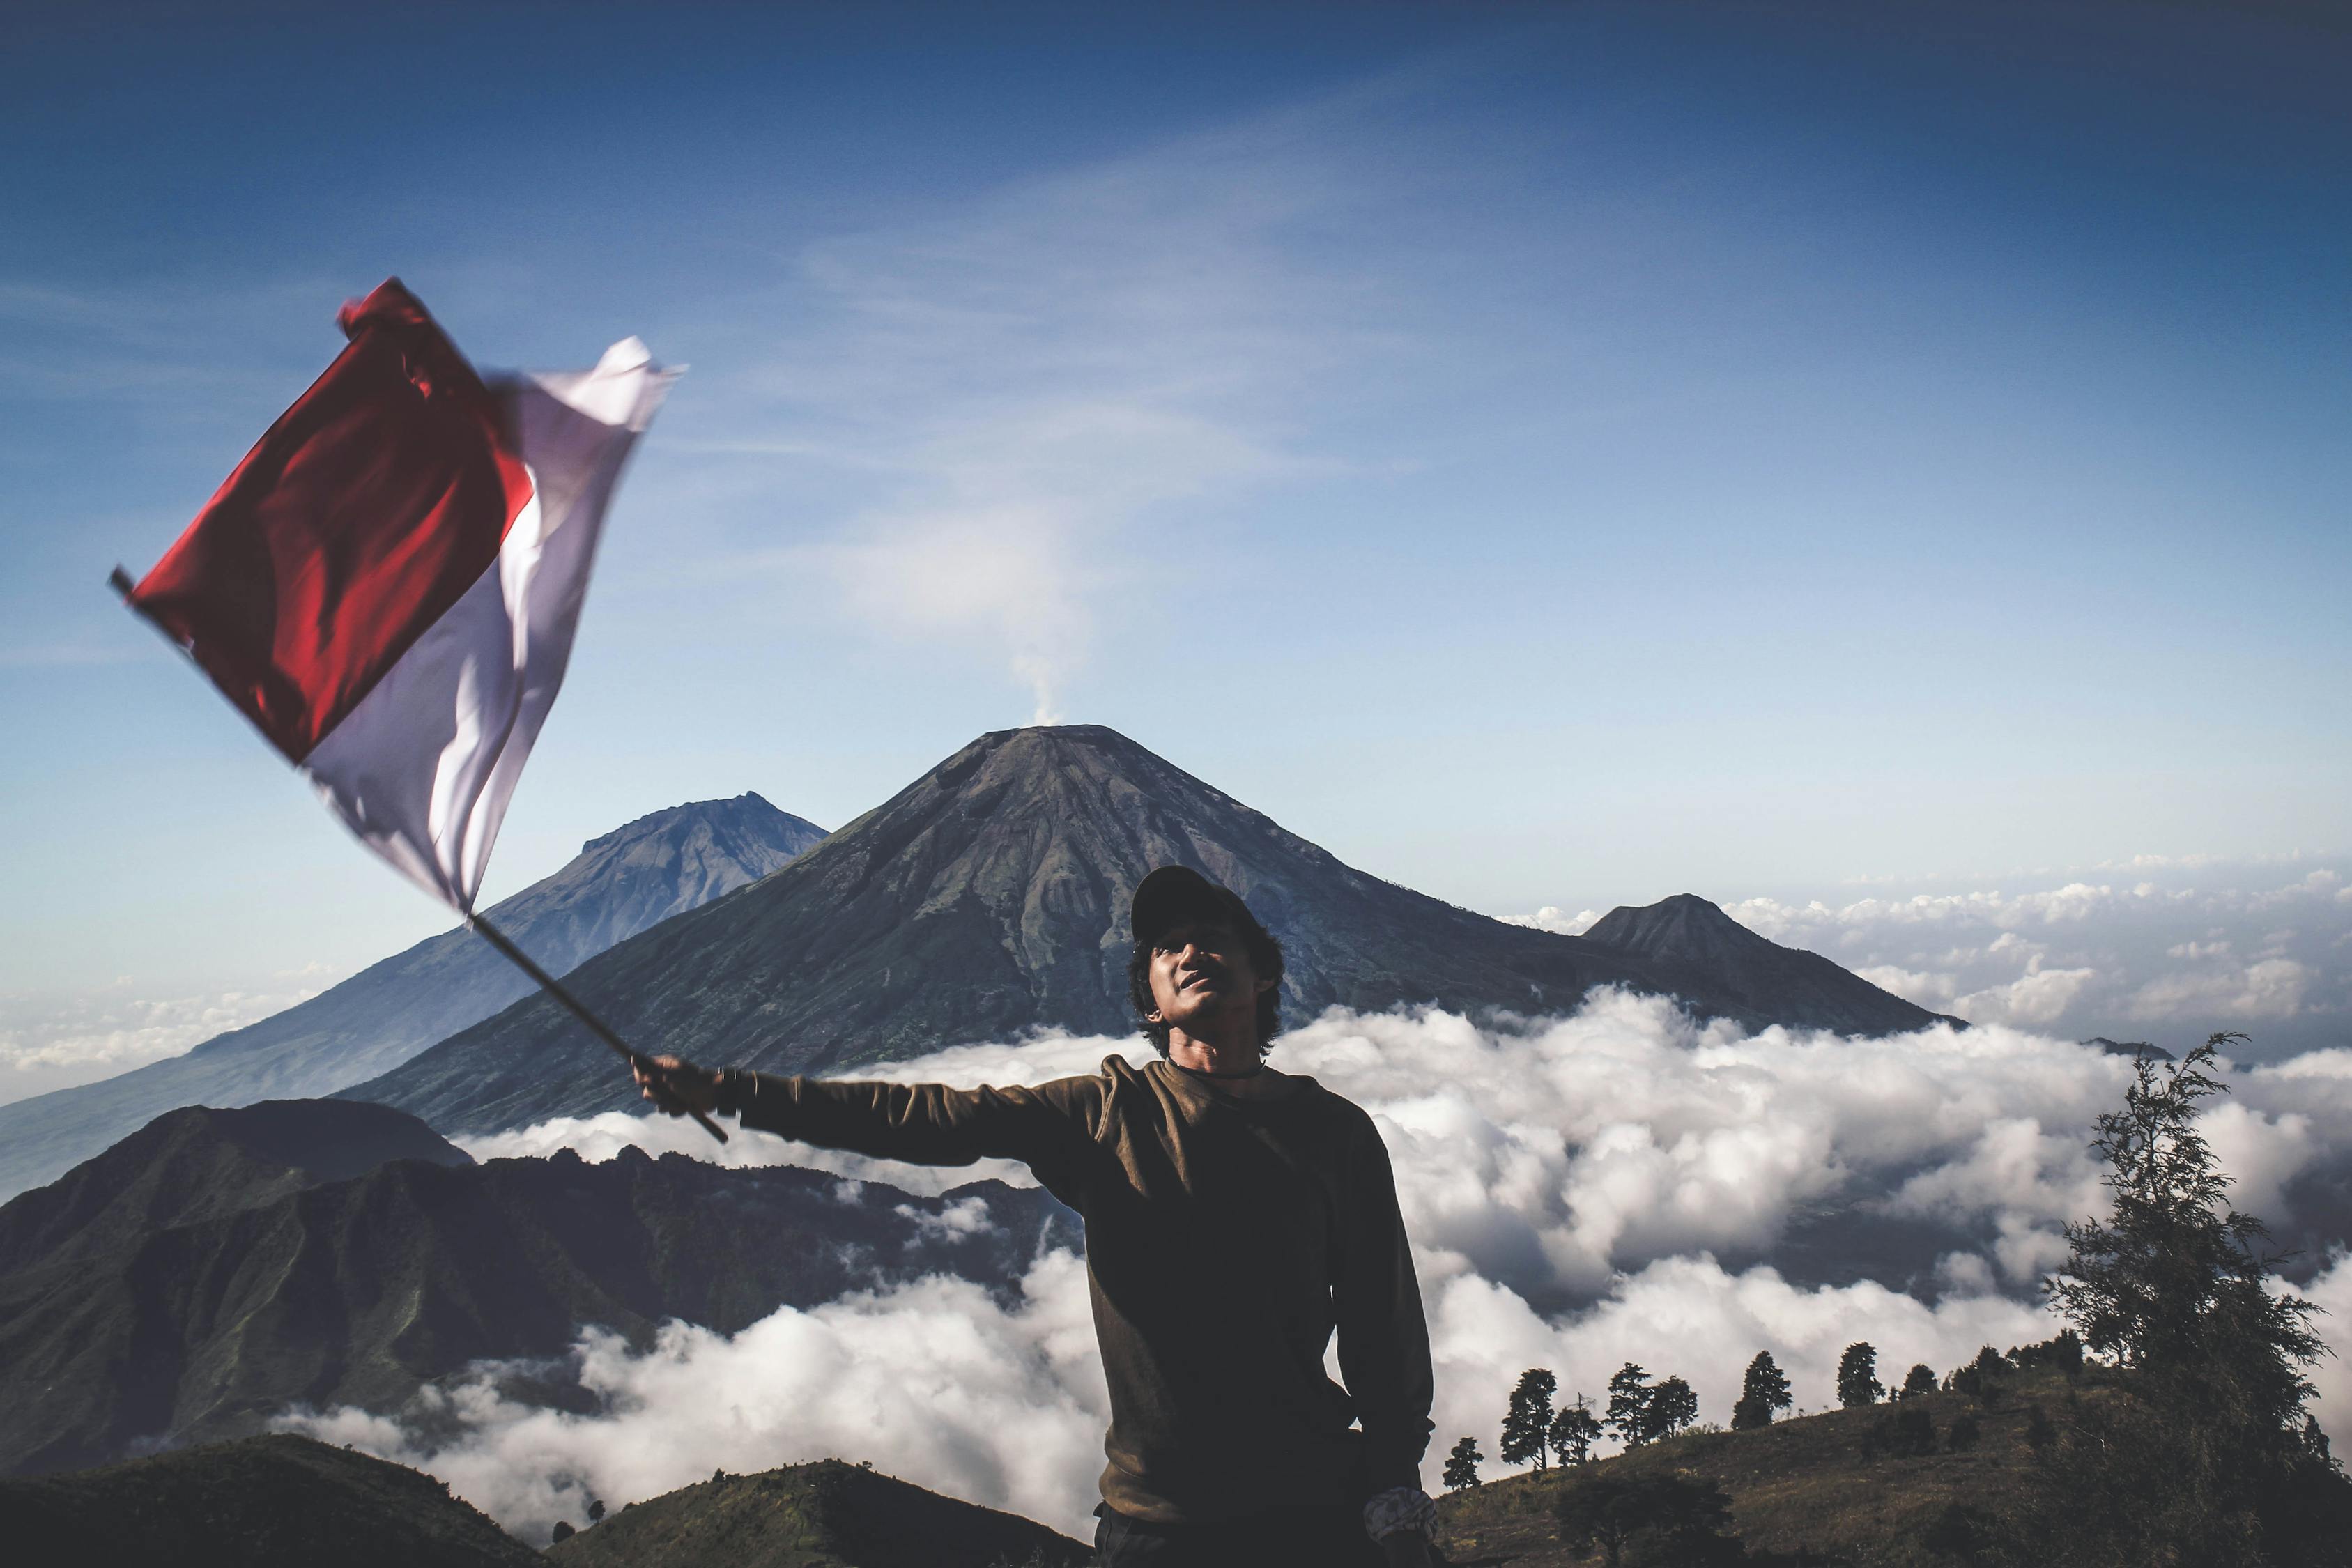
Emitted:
pixel 1173 893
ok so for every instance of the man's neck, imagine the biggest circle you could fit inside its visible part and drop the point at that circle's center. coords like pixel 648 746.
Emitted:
pixel 1236 1067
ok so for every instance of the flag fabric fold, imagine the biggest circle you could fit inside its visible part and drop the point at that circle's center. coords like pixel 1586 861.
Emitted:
pixel 389 583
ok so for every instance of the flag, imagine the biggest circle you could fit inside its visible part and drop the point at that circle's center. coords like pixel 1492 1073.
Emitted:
pixel 389 583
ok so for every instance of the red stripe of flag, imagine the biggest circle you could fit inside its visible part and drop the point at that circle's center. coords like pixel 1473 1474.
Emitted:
pixel 351 526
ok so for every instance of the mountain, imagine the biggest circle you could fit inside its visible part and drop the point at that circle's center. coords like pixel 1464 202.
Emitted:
pixel 212 1282
pixel 265 1502
pixel 631 878
pixel 197 1163
pixel 1700 951
pixel 825 1515
pixel 989 898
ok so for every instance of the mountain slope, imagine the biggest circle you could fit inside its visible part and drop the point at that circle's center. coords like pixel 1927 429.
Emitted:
pixel 197 1163
pixel 1698 948
pixel 989 898
pixel 359 1291
pixel 825 1515
pixel 265 1502
pixel 619 885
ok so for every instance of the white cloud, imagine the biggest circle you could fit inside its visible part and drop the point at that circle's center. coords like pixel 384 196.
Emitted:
pixel 2270 988
pixel 54 1043
pixel 1571 1185
pixel 1012 388
pixel 934 1382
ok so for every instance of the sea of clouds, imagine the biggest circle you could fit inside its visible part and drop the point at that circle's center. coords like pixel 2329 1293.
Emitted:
pixel 56 1041
pixel 1582 1191
pixel 2161 947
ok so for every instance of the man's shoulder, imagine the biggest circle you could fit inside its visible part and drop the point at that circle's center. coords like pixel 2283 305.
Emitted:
pixel 1317 1098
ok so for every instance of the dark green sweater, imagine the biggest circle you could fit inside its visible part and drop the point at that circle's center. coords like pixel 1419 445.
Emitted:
pixel 1226 1240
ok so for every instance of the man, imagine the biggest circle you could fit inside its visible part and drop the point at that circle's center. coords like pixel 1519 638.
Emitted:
pixel 1236 1217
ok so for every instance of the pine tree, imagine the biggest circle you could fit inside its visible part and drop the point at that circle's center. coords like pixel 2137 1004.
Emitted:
pixel 2204 1459
pixel 1629 1405
pixel 1764 1391
pixel 1672 1407
pixel 1462 1465
pixel 1857 1376
pixel 1919 1380
pixel 1527 1424
pixel 1574 1431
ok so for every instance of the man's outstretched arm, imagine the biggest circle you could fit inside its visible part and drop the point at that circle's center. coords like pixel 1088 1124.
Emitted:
pixel 923 1123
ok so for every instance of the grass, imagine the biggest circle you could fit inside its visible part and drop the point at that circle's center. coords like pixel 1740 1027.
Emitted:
pixel 1816 1484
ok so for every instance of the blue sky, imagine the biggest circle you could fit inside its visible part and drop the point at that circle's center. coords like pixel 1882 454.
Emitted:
pixel 1550 456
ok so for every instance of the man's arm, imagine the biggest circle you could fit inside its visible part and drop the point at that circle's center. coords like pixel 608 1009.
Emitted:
pixel 1384 1338
pixel 924 1123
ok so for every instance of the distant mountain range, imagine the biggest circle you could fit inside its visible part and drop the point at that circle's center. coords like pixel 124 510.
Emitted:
pixel 619 885
pixel 221 1266
pixel 989 898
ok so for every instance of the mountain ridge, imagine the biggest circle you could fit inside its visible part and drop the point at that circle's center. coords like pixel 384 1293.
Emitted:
pixel 621 882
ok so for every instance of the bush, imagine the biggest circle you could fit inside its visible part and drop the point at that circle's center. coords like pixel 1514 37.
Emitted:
pixel 1905 1432
pixel 1965 1434
pixel 1649 1519
pixel 563 1532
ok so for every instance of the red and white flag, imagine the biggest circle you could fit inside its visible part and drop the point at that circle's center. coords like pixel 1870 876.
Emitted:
pixel 388 585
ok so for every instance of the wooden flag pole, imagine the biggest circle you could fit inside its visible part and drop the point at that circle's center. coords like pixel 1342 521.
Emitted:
pixel 578 1009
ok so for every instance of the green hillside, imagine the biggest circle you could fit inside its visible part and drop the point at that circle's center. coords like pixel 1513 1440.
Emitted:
pixel 824 1515
pixel 1829 1487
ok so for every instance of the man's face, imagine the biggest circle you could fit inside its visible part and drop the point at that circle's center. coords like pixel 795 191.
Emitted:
pixel 1201 981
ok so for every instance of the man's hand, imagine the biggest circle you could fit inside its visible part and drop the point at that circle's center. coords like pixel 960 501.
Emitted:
pixel 677 1086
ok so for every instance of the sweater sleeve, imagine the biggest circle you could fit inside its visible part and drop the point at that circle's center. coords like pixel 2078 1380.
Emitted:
pixel 1384 1338
pixel 1046 1127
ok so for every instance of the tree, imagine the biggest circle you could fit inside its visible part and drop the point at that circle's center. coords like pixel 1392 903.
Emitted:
pixel 1574 1431
pixel 1462 1465
pixel 1527 1424
pixel 595 1511
pixel 1982 1379
pixel 1629 1405
pixel 2202 1459
pixel 563 1532
pixel 1857 1376
pixel 1919 1380
pixel 1672 1407
pixel 1667 1518
pixel 1764 1391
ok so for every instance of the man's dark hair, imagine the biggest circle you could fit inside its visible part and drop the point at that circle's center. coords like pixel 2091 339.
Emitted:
pixel 1265 950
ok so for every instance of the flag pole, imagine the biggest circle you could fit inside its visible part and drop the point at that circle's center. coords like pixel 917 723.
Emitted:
pixel 578 1009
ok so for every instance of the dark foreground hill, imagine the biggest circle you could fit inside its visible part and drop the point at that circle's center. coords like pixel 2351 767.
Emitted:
pixel 264 1502
pixel 621 884
pixel 1942 1480
pixel 270 1286
pixel 1825 1486
pixel 989 898
pixel 825 1515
